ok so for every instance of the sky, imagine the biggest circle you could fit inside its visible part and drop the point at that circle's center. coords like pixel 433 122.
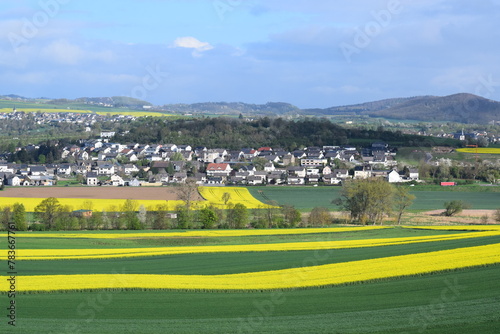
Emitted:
pixel 310 53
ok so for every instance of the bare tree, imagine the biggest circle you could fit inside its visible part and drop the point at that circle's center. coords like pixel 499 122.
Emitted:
pixel 187 192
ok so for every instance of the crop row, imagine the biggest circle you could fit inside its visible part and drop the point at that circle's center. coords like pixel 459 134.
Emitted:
pixel 63 254
pixel 314 276
pixel 199 233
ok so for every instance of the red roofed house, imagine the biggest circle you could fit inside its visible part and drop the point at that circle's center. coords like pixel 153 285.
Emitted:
pixel 214 169
pixel 265 149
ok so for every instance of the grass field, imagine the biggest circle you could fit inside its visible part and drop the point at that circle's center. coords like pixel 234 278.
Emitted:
pixel 306 198
pixel 391 297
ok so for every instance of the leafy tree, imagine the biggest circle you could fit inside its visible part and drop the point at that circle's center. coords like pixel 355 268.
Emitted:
pixel 183 219
pixel 402 200
pixel 367 200
pixel 292 217
pixel 5 217
pixel 238 216
pixel 454 207
pixel 87 205
pixel 19 217
pixel 226 197
pixel 48 211
pixel 129 216
pixel 160 219
pixel 319 216
pixel 208 218
pixel 177 156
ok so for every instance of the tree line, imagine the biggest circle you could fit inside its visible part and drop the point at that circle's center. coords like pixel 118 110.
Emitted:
pixel 276 132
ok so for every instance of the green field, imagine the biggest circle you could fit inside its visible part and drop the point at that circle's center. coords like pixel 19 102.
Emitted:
pixel 410 305
pixel 305 198
pixel 458 301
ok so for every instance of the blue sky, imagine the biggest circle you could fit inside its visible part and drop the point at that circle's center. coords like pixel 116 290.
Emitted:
pixel 311 53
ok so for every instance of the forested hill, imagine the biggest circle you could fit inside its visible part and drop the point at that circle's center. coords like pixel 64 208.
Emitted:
pixel 276 132
pixel 234 108
pixel 462 108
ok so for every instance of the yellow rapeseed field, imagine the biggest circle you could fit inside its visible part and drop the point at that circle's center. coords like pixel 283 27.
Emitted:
pixel 109 205
pixel 314 276
pixel 63 254
pixel 480 150
pixel 215 195
pixel 198 233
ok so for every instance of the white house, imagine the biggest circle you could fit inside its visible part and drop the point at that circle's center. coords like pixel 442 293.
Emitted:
pixel 92 179
pixel 393 177
pixel 117 180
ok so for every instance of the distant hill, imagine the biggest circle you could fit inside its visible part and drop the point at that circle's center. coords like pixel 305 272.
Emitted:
pixel 462 108
pixel 228 108
pixel 14 97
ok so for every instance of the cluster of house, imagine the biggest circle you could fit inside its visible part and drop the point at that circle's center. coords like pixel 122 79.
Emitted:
pixel 100 162
pixel 65 116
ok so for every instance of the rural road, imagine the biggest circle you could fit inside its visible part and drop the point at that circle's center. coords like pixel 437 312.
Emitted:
pixel 428 157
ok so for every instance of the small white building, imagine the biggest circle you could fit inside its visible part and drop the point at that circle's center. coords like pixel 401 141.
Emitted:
pixel 394 177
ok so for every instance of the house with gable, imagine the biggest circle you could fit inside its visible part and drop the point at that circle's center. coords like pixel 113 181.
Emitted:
pixel 218 169
pixel 92 179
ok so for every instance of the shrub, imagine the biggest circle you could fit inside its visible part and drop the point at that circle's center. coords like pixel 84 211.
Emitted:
pixel 454 207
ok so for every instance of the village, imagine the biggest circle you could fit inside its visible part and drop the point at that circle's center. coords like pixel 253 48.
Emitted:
pixel 100 162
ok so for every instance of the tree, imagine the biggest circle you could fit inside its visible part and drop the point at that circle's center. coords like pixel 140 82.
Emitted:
pixel 319 216
pixel 182 217
pixel 238 216
pixel 292 216
pixel 142 215
pixel 454 207
pixel 367 200
pixel 87 205
pixel 129 216
pixel 496 215
pixel 19 217
pixel 5 217
pixel 187 192
pixel 96 221
pixel 160 220
pixel 47 211
pixel 402 200
pixel 208 218
pixel 226 197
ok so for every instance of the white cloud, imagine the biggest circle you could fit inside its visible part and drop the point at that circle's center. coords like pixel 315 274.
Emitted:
pixel 192 43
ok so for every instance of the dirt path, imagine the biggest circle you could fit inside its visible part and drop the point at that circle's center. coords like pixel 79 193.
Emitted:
pixel 137 193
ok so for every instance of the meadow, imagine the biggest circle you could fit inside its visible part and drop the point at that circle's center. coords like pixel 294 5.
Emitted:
pixel 344 280
pixel 429 198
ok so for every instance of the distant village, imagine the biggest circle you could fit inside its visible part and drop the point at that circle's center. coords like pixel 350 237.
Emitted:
pixel 100 162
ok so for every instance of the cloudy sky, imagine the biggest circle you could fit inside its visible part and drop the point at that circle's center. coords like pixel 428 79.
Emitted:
pixel 311 53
